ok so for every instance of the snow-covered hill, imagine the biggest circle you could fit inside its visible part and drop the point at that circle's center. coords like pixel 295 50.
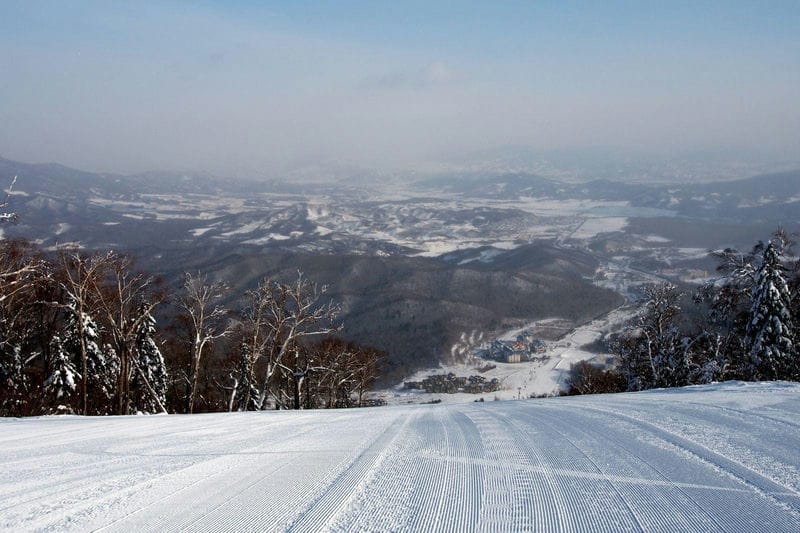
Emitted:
pixel 708 458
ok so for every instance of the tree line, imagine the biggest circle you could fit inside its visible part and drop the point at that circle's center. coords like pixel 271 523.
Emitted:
pixel 80 333
pixel 741 325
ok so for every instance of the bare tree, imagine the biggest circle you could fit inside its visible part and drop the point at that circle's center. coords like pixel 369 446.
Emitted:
pixel 254 345
pixel 206 318
pixel 8 217
pixel 126 300
pixel 18 269
pixel 345 368
pixel 295 311
pixel 15 275
pixel 651 350
pixel 338 381
pixel 21 277
pixel 367 368
pixel 586 378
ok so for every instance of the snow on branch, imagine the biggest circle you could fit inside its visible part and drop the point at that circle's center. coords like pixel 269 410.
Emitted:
pixel 8 217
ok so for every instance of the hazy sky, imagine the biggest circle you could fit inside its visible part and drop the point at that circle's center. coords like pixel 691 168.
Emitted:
pixel 236 86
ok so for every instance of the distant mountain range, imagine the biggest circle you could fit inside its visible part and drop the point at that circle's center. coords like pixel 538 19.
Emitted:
pixel 774 197
pixel 414 264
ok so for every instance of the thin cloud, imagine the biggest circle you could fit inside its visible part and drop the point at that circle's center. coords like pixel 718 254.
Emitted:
pixel 435 74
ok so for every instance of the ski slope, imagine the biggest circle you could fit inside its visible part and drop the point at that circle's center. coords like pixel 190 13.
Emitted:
pixel 708 458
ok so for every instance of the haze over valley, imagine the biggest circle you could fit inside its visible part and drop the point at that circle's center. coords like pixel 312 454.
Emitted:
pixel 400 266
pixel 419 261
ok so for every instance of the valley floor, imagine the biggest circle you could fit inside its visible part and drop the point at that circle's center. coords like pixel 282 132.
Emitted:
pixel 708 458
pixel 541 377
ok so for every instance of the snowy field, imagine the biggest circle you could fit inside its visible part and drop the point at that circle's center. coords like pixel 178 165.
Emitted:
pixel 707 458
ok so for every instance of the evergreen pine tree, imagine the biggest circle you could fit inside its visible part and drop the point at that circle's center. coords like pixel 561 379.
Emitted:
pixel 100 368
pixel 770 329
pixel 13 380
pixel 60 387
pixel 246 390
pixel 150 397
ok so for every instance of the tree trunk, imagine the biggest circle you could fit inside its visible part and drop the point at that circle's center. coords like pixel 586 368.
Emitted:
pixel 296 392
pixel 84 364
pixel 123 381
pixel 151 390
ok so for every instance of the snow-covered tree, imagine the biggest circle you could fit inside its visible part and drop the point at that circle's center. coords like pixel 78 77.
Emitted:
pixel 82 277
pixel 770 329
pixel 245 390
pixel 61 386
pixel 710 359
pixel 149 381
pixel 82 342
pixel 4 216
pixel 654 352
pixel 13 380
pixel 206 319
pixel 730 301
pixel 124 301
pixel 21 276
pixel 296 311
pixel 255 344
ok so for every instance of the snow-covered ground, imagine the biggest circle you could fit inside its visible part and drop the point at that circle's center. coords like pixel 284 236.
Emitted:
pixel 592 227
pixel 708 458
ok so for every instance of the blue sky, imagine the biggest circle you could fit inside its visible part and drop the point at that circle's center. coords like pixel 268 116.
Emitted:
pixel 239 86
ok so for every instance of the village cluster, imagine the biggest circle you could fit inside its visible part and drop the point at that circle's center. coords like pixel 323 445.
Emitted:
pixel 525 348
pixel 450 383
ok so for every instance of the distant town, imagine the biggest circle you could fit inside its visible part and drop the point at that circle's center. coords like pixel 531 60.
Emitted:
pixel 525 348
pixel 450 384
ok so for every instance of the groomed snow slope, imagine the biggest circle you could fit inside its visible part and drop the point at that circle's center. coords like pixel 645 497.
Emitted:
pixel 710 458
